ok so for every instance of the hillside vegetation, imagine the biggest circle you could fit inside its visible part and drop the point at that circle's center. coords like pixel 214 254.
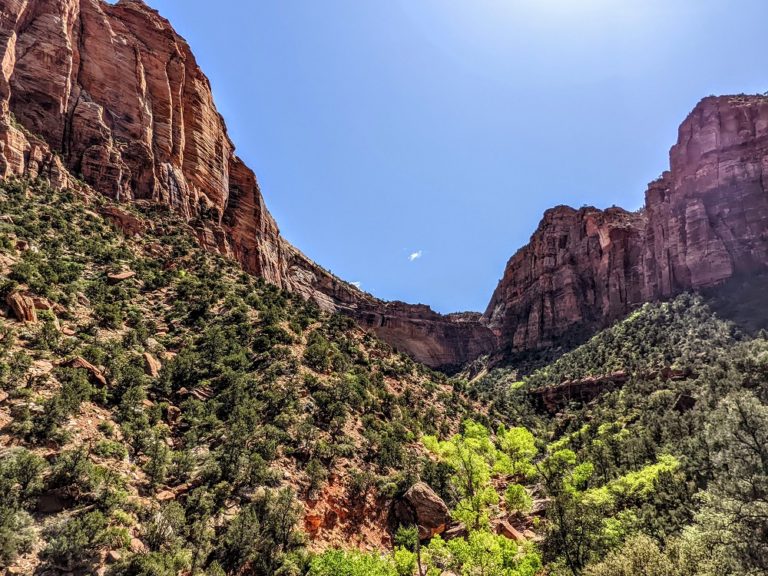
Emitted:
pixel 181 414
pixel 163 413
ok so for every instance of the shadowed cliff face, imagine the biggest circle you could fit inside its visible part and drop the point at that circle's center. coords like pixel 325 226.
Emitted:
pixel 581 268
pixel 111 95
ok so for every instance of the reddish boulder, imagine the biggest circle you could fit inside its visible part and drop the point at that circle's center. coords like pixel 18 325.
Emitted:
pixel 152 365
pixel 118 277
pixel 506 529
pixel 421 506
pixel 23 307
pixel 95 374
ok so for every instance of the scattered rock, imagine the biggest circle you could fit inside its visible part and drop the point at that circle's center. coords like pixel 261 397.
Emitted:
pixel 457 530
pixel 138 546
pixel 23 307
pixel 152 365
pixel 165 495
pixel 95 374
pixel 114 556
pixel 118 277
pixel 82 299
pixel 420 505
pixel 173 414
pixel 506 529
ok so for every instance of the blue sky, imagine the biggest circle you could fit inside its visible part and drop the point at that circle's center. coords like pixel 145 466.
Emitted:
pixel 412 145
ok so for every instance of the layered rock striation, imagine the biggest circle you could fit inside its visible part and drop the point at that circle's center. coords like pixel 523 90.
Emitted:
pixel 581 267
pixel 110 96
pixel 704 221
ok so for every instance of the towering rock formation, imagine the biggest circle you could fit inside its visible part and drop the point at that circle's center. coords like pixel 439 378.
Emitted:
pixel 581 268
pixel 704 221
pixel 708 216
pixel 111 95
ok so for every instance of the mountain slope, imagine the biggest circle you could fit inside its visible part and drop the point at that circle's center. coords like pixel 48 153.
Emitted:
pixel 151 375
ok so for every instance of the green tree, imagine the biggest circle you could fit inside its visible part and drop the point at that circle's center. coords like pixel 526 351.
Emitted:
pixel 517 499
pixel 352 563
pixel 264 537
pixel 472 456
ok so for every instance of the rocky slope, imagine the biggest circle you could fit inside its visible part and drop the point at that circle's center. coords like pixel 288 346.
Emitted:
pixel 704 221
pixel 111 95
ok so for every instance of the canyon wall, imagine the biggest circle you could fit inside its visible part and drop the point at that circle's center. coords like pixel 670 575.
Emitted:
pixel 704 221
pixel 581 268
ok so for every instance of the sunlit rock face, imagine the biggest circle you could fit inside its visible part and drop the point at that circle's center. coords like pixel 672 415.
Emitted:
pixel 708 216
pixel 112 96
pixel 704 221
pixel 581 267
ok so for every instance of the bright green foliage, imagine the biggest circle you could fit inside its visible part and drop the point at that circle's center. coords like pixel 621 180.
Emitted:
pixel 632 487
pixel 352 563
pixel 472 456
pixel 481 554
pixel 517 499
pixel 516 449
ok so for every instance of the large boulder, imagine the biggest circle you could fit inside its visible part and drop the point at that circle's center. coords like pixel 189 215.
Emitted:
pixel 421 506
pixel 23 307
pixel 152 365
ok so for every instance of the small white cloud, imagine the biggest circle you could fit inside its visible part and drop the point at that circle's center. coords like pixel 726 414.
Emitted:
pixel 415 255
pixel 357 284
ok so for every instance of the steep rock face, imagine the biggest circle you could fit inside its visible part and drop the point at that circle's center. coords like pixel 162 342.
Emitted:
pixel 580 268
pixel 708 216
pixel 118 95
pixel 704 221
pixel 111 94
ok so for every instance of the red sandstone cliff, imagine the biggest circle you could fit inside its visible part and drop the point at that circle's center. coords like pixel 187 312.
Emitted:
pixel 581 267
pixel 704 221
pixel 112 95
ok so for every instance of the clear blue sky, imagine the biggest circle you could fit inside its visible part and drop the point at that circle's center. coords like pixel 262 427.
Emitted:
pixel 385 128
